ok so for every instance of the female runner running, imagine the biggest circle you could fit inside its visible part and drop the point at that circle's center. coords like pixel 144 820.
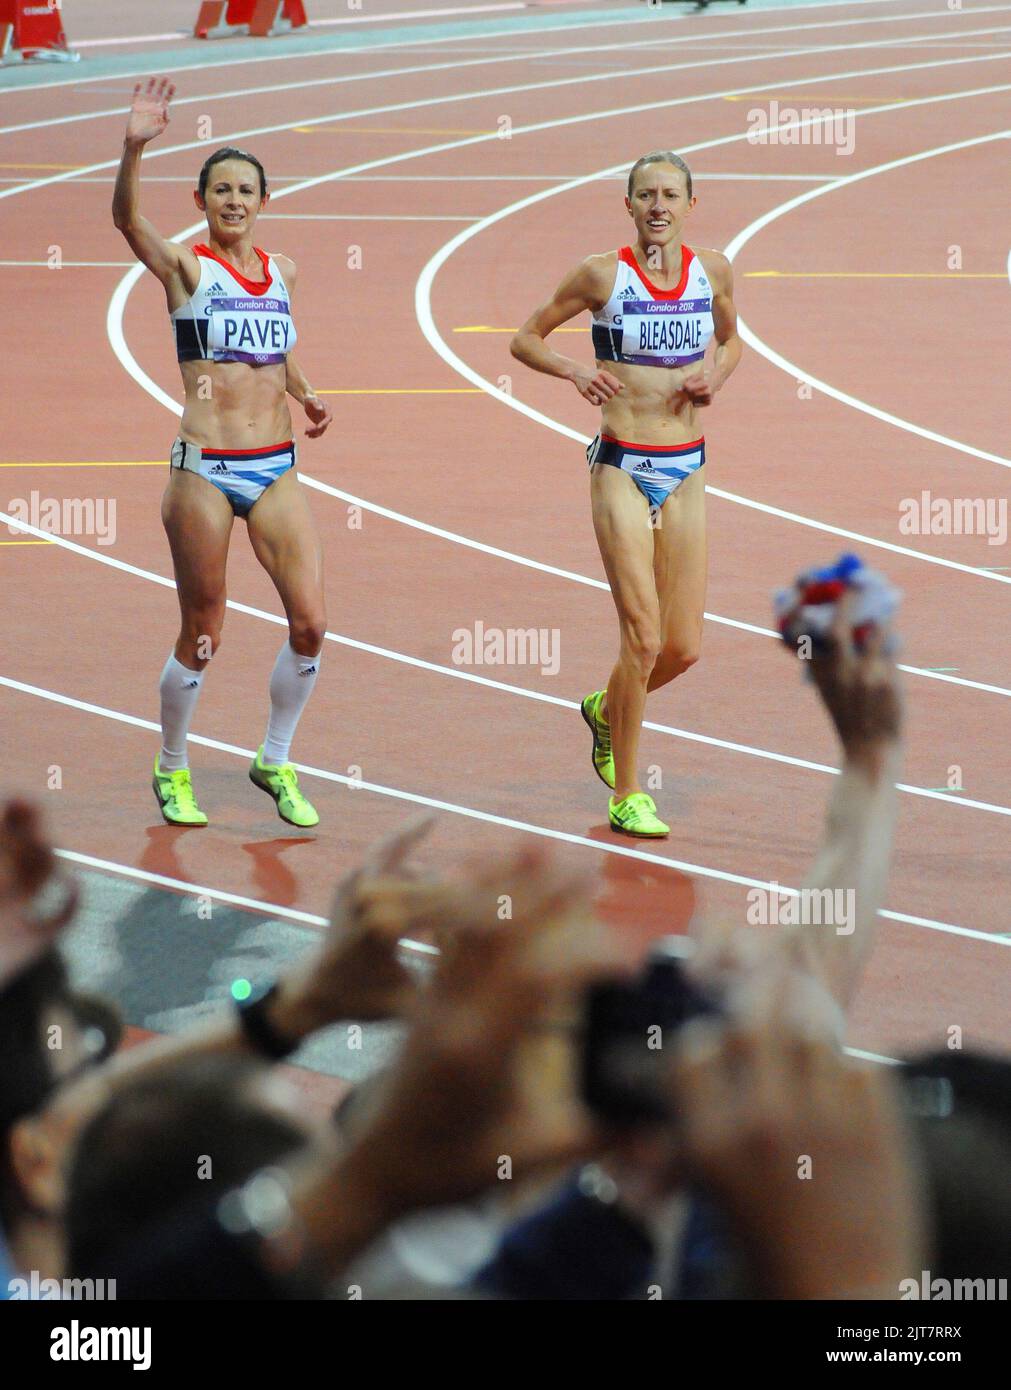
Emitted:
pixel 230 308
pixel 656 306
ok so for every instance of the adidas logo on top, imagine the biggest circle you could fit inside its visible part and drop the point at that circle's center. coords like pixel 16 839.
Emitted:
pixel 627 293
pixel 216 289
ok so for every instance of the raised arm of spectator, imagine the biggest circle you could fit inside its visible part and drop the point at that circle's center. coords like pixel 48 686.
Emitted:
pixel 860 691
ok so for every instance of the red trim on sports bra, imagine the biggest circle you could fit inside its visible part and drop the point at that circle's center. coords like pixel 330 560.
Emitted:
pixel 250 286
pixel 627 255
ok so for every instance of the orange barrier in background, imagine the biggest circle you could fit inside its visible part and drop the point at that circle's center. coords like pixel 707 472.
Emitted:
pixel 259 18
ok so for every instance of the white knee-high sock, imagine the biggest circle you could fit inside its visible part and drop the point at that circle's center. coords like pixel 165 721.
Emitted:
pixel 179 689
pixel 291 684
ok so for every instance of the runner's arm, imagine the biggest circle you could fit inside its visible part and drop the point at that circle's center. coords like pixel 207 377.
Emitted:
pixel 728 343
pixel 578 291
pixel 163 258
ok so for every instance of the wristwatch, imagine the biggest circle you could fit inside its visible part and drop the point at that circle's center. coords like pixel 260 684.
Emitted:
pixel 260 1032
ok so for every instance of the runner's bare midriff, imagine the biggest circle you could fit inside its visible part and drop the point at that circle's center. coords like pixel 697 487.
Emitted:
pixel 651 408
pixel 232 405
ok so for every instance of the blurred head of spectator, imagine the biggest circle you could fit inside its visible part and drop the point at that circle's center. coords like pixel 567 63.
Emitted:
pixel 196 1129
pixel 961 1104
pixel 49 1035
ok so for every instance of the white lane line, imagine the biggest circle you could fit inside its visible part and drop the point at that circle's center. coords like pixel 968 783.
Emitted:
pixel 656 17
pixel 177 34
pixel 457 673
pixel 274 910
pixel 524 561
pixel 423 312
pixel 109 866
pixel 799 373
pixel 115 330
pixel 117 304
pixel 488 817
pixel 244 93
pixel 513 90
pixel 495 551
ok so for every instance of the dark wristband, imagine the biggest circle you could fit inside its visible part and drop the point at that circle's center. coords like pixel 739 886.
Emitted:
pixel 259 1031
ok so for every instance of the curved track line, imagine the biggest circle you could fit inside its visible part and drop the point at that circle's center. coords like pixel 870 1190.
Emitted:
pixel 423 312
pixel 380 74
pixel 114 329
pixel 488 682
pixel 798 373
pixel 602 846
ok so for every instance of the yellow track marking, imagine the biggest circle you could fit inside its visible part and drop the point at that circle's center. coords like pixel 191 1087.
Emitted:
pixel 483 328
pixel 89 463
pixel 25 542
pixel 42 166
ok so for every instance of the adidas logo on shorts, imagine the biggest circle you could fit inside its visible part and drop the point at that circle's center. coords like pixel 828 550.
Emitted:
pixel 219 468
pixel 645 467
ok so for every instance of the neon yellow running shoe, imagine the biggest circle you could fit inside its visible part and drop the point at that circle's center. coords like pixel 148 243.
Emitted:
pixel 635 814
pixel 281 783
pixel 174 793
pixel 603 758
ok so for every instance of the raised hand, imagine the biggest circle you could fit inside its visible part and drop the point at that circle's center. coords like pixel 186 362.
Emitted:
pixel 860 689
pixel 468 1093
pixel 149 110
pixel 806 1151
pixel 356 972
